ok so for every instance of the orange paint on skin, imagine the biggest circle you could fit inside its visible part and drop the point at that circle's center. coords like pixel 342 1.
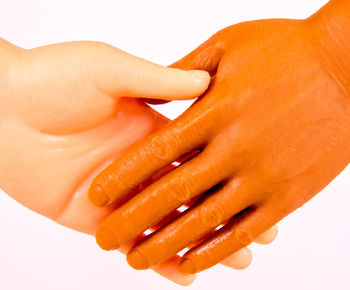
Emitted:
pixel 273 130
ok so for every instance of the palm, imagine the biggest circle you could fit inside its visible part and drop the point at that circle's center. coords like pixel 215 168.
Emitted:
pixel 64 131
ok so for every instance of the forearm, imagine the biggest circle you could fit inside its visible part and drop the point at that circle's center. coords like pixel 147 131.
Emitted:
pixel 331 28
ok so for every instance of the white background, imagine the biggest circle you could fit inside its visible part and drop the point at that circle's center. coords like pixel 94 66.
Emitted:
pixel 312 250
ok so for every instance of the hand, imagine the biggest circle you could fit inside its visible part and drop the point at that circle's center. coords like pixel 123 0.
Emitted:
pixel 62 120
pixel 62 129
pixel 272 131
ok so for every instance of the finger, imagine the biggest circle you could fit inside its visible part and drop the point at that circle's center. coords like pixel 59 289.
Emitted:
pixel 205 57
pixel 158 200
pixel 143 185
pixel 168 269
pixel 123 75
pixel 238 233
pixel 267 237
pixel 150 155
pixel 152 179
pixel 239 260
pixel 192 225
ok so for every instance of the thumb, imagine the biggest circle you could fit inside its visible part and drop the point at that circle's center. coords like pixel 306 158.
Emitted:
pixel 125 75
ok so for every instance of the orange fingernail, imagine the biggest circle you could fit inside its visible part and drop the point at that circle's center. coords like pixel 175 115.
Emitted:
pixel 137 260
pixel 98 196
pixel 187 267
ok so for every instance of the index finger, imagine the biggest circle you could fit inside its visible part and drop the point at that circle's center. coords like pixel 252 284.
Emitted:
pixel 147 157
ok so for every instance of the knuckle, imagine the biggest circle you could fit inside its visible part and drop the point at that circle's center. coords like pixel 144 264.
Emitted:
pixel 203 59
pixel 293 199
pixel 212 216
pixel 118 178
pixel 163 147
pixel 242 236
pixel 271 172
pixel 183 188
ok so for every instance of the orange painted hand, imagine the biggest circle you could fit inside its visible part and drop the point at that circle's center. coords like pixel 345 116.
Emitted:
pixel 272 131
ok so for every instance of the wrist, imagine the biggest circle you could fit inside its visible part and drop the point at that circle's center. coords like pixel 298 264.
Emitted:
pixel 8 54
pixel 330 29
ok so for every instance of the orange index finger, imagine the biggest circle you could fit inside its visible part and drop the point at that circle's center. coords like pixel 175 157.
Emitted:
pixel 147 157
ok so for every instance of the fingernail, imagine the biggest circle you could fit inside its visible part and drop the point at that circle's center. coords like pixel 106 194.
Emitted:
pixel 200 74
pixel 98 196
pixel 106 240
pixel 137 260
pixel 187 267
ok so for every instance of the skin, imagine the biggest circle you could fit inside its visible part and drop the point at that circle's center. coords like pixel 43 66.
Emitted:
pixel 272 131
pixel 66 111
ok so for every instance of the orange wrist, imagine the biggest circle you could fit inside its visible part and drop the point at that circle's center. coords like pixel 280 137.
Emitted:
pixel 331 31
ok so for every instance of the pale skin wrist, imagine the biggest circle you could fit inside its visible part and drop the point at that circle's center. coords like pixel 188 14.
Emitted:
pixel 8 53
pixel 5 60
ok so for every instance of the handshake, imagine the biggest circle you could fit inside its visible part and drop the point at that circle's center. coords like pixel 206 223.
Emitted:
pixel 269 130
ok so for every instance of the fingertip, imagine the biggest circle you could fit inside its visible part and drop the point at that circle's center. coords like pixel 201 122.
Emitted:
pixel 267 237
pixel 137 260
pixel 97 195
pixel 178 84
pixel 106 240
pixel 239 260
pixel 187 266
pixel 170 270
pixel 200 75
pixel 201 80
pixel 187 280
